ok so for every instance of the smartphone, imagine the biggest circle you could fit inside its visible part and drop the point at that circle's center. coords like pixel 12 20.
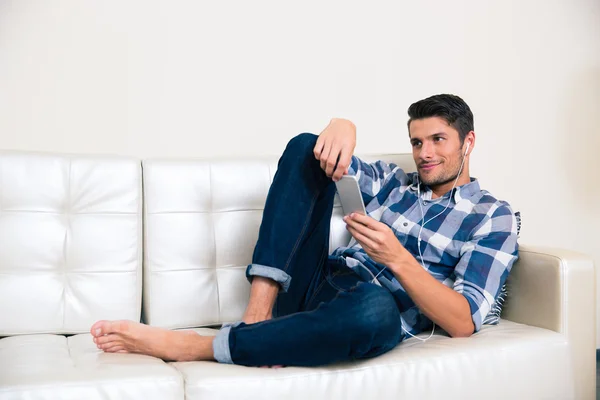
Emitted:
pixel 350 195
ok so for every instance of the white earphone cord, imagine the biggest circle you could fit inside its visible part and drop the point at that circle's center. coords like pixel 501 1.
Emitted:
pixel 425 223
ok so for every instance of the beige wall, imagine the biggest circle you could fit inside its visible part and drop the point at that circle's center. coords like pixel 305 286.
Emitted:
pixel 182 79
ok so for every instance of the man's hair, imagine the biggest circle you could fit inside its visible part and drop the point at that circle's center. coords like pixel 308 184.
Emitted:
pixel 449 107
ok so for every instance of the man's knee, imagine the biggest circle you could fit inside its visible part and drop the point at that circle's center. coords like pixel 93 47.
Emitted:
pixel 304 142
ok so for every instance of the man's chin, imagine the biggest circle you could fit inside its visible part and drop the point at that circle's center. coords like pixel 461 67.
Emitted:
pixel 427 179
pixel 435 181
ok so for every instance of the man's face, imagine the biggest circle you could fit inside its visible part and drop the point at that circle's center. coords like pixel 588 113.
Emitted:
pixel 437 150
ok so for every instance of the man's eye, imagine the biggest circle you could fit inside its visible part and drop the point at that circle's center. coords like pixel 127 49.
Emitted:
pixel 439 139
pixel 416 144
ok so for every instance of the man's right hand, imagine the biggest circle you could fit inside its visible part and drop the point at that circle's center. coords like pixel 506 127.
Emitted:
pixel 335 147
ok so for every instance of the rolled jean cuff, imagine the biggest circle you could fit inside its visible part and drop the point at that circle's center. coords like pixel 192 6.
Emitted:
pixel 269 272
pixel 221 349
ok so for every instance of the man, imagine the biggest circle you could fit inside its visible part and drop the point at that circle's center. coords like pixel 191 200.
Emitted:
pixel 434 250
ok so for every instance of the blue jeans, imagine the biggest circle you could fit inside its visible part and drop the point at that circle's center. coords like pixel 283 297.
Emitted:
pixel 324 312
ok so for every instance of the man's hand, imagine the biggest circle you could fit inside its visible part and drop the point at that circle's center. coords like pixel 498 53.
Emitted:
pixel 378 239
pixel 335 147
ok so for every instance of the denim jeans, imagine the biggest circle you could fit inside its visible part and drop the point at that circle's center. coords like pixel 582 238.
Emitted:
pixel 324 312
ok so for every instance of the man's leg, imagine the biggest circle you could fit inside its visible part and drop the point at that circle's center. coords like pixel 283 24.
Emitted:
pixel 359 323
pixel 293 240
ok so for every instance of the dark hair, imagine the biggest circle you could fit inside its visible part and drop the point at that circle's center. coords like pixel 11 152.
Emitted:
pixel 449 107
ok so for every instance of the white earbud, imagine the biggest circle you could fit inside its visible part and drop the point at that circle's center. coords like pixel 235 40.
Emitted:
pixel 468 145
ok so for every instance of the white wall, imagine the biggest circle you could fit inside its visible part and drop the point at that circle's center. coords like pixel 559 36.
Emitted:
pixel 189 78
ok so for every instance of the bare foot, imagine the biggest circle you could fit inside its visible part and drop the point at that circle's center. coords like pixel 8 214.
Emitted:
pixel 133 337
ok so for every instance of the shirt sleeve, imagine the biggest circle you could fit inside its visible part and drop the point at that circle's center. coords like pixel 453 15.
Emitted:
pixel 373 176
pixel 486 261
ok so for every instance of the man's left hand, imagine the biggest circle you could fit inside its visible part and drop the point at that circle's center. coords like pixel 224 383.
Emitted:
pixel 378 239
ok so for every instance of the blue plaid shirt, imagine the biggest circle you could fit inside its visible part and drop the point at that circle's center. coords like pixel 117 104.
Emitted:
pixel 471 247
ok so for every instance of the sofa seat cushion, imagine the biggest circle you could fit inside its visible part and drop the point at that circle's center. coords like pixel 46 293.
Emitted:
pixel 59 367
pixel 505 361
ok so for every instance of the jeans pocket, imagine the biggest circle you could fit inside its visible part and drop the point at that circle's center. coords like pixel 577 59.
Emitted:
pixel 343 280
pixel 319 288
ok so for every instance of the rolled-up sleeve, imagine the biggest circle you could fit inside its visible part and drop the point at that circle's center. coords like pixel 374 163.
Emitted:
pixel 486 261
pixel 373 176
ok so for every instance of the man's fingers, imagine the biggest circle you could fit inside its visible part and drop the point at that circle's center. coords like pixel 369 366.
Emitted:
pixel 364 230
pixel 343 163
pixel 364 241
pixel 367 221
pixel 318 149
pixel 332 160
pixel 325 155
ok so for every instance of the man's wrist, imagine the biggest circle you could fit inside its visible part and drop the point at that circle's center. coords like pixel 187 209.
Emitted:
pixel 396 266
pixel 402 263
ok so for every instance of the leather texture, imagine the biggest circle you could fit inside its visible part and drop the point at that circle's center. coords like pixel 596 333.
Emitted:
pixel 556 289
pixel 508 361
pixel 201 223
pixel 70 242
pixel 49 367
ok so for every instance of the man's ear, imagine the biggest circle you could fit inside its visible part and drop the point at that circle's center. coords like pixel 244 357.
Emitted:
pixel 469 142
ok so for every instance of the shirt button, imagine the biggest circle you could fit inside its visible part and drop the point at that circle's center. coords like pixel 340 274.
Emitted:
pixel 405 224
pixel 424 202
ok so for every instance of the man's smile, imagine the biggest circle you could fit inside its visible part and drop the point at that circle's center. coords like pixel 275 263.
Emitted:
pixel 428 166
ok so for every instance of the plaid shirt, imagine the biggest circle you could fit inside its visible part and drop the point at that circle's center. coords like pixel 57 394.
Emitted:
pixel 471 247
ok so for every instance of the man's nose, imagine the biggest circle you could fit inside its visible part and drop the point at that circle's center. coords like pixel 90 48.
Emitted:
pixel 427 151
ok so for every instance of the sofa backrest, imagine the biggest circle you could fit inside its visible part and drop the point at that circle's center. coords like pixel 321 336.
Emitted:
pixel 70 242
pixel 201 224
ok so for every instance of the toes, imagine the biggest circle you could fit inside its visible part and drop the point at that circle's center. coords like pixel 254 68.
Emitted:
pixel 96 329
pixel 114 349
pixel 102 328
pixel 107 346
pixel 107 339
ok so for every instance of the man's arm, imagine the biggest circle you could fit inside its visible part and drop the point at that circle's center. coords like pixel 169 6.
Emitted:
pixel 441 304
pixel 486 261
pixel 334 150
pixel 482 270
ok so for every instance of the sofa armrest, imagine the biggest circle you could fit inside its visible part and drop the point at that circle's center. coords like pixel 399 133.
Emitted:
pixel 556 289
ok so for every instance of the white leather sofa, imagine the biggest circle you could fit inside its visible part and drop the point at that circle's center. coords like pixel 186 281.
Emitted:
pixel 167 241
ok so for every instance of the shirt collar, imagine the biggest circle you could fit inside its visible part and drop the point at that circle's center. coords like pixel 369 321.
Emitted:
pixel 462 192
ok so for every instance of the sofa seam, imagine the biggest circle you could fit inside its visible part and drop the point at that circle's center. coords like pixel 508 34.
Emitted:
pixel 139 276
pixel 65 245
pixel 146 272
pixel 214 238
